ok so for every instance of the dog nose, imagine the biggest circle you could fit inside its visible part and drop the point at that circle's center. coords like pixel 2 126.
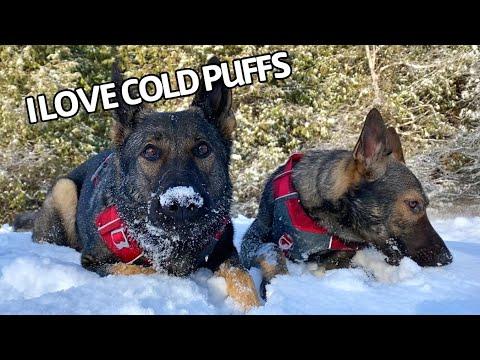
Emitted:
pixel 179 203
pixel 180 211
pixel 444 258
pixel 433 256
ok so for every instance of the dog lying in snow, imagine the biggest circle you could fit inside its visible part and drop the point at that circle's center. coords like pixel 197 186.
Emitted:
pixel 159 200
pixel 323 205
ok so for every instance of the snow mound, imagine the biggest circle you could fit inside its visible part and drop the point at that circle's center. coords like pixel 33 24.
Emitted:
pixel 34 276
pixel 373 262
pixel 48 279
pixel 182 195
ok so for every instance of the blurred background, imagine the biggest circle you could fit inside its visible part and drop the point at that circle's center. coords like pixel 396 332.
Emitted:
pixel 431 94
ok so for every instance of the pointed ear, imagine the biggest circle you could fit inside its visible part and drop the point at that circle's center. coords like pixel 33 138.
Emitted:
pixel 126 116
pixel 394 145
pixel 370 150
pixel 217 104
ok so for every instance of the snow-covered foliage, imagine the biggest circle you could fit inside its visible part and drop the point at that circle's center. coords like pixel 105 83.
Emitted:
pixel 430 93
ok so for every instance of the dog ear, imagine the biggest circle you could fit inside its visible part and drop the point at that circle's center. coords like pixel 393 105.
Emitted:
pixel 370 150
pixel 126 116
pixel 217 104
pixel 394 145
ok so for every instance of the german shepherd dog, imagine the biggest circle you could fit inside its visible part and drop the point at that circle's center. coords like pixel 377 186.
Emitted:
pixel 159 200
pixel 367 196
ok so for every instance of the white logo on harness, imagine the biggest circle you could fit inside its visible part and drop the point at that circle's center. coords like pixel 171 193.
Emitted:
pixel 123 243
pixel 285 242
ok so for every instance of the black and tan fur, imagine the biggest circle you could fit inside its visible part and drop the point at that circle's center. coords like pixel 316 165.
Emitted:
pixel 367 195
pixel 154 151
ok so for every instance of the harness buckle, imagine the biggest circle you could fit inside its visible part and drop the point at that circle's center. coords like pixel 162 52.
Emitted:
pixel 120 242
pixel 285 242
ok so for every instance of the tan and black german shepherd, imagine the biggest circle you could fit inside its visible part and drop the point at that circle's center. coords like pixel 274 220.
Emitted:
pixel 351 198
pixel 159 200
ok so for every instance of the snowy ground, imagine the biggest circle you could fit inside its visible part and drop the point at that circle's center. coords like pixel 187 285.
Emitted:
pixel 48 279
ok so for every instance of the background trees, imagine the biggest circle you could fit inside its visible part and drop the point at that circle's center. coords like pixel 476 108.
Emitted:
pixel 431 94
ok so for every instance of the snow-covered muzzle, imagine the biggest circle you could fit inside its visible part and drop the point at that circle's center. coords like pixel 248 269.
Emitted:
pixel 175 225
pixel 178 205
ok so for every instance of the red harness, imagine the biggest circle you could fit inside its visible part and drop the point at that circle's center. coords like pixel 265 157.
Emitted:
pixel 285 191
pixel 114 233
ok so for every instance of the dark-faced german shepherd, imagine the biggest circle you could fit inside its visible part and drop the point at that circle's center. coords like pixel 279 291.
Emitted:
pixel 367 196
pixel 159 200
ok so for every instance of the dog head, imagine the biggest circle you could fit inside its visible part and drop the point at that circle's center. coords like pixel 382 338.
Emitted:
pixel 392 199
pixel 173 166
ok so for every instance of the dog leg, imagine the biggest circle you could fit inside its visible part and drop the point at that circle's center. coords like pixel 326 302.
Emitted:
pixel 55 223
pixel 107 265
pixel 240 285
pixel 271 260
pixel 319 264
pixel 65 198
pixel 128 269
pixel 337 260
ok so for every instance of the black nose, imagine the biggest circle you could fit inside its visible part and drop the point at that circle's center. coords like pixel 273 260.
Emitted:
pixel 178 204
pixel 433 256
pixel 444 258
pixel 180 211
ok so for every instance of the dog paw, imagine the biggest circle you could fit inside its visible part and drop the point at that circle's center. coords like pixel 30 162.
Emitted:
pixel 126 269
pixel 320 271
pixel 88 260
pixel 240 286
pixel 271 261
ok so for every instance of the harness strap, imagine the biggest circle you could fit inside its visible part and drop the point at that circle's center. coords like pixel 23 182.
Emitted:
pixel 114 233
pixel 96 175
pixel 282 183
pixel 225 221
pixel 284 190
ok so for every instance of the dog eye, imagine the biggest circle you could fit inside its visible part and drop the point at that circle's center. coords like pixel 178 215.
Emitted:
pixel 414 205
pixel 202 150
pixel 151 152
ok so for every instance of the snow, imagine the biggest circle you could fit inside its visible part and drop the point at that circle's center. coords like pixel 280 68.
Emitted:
pixel 48 279
pixel 182 195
